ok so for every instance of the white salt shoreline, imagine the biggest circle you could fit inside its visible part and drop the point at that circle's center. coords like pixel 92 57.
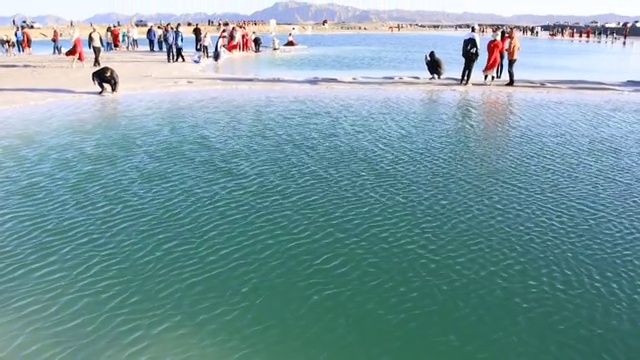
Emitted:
pixel 31 80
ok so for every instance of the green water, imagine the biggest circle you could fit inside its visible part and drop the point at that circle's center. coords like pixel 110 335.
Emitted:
pixel 357 225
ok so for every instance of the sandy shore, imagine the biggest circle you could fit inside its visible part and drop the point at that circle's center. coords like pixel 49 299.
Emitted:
pixel 37 79
pixel 47 31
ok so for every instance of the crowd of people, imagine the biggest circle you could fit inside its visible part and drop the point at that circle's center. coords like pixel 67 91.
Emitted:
pixel 19 43
pixel 504 45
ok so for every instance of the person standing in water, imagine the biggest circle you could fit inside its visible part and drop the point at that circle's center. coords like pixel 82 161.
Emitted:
pixel 512 55
pixel 470 54
pixel 494 49
pixel 257 42
pixel 434 65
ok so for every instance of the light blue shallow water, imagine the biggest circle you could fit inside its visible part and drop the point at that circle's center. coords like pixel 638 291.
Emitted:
pixel 402 54
pixel 321 224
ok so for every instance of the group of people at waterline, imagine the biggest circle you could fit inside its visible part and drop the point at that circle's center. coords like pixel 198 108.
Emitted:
pixel 504 45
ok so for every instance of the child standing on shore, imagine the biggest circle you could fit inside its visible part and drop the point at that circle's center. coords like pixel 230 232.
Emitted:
pixel 206 43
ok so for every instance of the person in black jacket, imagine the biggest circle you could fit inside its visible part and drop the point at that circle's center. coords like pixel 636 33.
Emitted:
pixel 257 42
pixel 434 65
pixel 197 32
pixel 470 54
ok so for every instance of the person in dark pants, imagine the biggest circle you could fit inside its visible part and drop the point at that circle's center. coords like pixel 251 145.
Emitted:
pixel 19 40
pixel 470 54
pixel 160 38
pixel 179 43
pixel 151 37
pixel 169 43
pixel 434 65
pixel 503 54
pixel 512 54
pixel 197 33
pixel 257 42
pixel 96 44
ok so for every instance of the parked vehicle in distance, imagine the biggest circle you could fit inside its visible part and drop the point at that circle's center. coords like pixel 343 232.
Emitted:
pixel 31 24
pixel 142 23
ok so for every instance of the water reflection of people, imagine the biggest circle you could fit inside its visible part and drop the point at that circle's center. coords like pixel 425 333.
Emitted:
pixel 496 110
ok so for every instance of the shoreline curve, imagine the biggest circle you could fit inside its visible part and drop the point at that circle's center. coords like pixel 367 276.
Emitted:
pixel 42 79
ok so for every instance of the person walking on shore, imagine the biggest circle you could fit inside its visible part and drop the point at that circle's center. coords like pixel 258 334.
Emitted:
pixel 197 33
pixel 512 55
pixel 169 42
pixel 470 54
pixel 76 50
pixel 96 44
pixel 159 38
pixel 57 49
pixel 151 38
pixel 179 43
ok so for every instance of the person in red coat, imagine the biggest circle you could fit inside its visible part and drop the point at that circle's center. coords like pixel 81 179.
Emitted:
pixel 115 35
pixel 494 48
pixel 76 51
pixel 26 41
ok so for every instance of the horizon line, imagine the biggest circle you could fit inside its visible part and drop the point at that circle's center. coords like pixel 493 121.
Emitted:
pixel 327 3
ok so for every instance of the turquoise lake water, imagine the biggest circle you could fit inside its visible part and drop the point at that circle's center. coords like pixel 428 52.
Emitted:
pixel 402 54
pixel 321 224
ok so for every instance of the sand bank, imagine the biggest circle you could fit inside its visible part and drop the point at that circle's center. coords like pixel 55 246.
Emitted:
pixel 36 79
pixel 47 31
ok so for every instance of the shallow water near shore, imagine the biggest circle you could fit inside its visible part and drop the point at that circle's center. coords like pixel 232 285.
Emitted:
pixel 321 224
pixel 402 54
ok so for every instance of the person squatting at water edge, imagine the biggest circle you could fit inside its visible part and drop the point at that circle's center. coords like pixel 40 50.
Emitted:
pixel 434 65
pixel 106 75
pixel 470 54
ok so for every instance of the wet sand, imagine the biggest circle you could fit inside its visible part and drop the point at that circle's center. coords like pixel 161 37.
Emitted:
pixel 42 78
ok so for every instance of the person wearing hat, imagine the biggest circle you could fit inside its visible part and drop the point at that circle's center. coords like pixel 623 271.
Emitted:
pixel 470 54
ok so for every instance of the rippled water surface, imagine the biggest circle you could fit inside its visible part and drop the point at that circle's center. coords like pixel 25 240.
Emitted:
pixel 322 224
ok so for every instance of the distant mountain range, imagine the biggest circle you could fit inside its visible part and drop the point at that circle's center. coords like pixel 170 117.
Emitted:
pixel 296 12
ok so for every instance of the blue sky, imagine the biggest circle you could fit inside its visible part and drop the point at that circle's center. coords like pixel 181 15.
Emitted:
pixel 81 9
